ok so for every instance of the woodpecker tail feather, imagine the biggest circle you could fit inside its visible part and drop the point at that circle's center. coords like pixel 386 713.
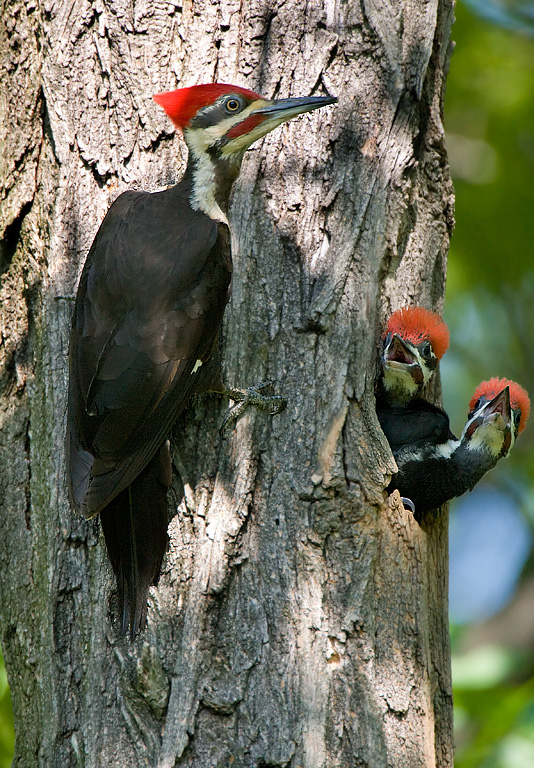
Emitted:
pixel 135 529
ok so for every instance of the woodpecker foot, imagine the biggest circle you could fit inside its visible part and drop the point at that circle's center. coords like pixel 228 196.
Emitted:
pixel 252 396
pixel 408 504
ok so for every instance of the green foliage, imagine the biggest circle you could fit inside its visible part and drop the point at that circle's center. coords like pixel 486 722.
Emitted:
pixel 489 118
pixel 494 709
pixel 7 736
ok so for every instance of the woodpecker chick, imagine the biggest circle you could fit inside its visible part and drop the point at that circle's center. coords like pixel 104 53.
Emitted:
pixel 433 473
pixel 495 421
pixel 145 328
pixel 414 341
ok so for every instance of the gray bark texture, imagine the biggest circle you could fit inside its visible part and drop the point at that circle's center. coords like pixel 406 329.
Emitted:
pixel 301 616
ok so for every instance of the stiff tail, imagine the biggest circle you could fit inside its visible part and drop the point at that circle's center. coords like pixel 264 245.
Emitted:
pixel 135 530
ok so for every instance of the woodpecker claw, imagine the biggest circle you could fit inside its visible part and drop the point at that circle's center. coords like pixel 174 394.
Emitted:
pixel 252 396
pixel 408 504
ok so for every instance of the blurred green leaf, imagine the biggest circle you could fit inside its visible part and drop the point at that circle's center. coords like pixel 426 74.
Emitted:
pixel 496 721
pixel 489 112
pixel 489 119
pixel 483 667
pixel 7 735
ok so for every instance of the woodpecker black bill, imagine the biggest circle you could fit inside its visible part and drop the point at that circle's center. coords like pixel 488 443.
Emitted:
pixel 145 328
pixel 284 109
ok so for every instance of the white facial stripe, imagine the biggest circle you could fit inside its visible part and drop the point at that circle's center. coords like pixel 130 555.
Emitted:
pixel 199 141
pixel 241 143
pixel 208 136
pixel 427 371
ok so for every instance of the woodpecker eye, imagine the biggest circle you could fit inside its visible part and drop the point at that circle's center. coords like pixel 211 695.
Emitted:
pixel 517 417
pixel 479 403
pixel 426 349
pixel 232 105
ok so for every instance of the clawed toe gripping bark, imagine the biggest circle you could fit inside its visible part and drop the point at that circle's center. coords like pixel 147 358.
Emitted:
pixel 252 396
pixel 408 504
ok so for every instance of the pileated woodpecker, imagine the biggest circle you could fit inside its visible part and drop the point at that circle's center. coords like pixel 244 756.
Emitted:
pixel 146 321
pixel 432 472
pixel 415 340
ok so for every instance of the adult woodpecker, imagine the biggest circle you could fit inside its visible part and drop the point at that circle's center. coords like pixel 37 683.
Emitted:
pixel 432 473
pixel 146 321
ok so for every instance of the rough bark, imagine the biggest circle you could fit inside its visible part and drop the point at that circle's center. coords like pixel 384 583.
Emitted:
pixel 301 618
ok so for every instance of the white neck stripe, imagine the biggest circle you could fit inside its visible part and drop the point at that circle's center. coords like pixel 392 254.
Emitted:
pixel 204 185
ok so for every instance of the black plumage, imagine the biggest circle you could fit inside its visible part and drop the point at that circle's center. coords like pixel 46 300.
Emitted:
pixel 429 478
pixel 433 465
pixel 414 432
pixel 136 536
pixel 416 423
pixel 149 307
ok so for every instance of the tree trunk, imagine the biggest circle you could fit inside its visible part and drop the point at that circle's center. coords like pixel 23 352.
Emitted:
pixel 301 617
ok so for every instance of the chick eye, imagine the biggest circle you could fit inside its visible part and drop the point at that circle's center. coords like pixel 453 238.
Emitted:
pixel 232 105
pixel 426 349
pixel 476 406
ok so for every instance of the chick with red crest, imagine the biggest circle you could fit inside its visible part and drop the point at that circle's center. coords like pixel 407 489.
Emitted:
pixel 500 429
pixel 145 329
pixel 431 474
pixel 415 340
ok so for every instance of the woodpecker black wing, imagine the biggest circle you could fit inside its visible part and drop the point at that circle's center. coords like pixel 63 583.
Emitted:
pixel 147 315
pixel 417 423
pixel 430 478
pixel 148 311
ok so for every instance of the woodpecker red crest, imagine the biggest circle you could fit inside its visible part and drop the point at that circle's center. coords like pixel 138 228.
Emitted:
pixel 414 341
pixel 519 399
pixel 417 324
pixel 183 104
